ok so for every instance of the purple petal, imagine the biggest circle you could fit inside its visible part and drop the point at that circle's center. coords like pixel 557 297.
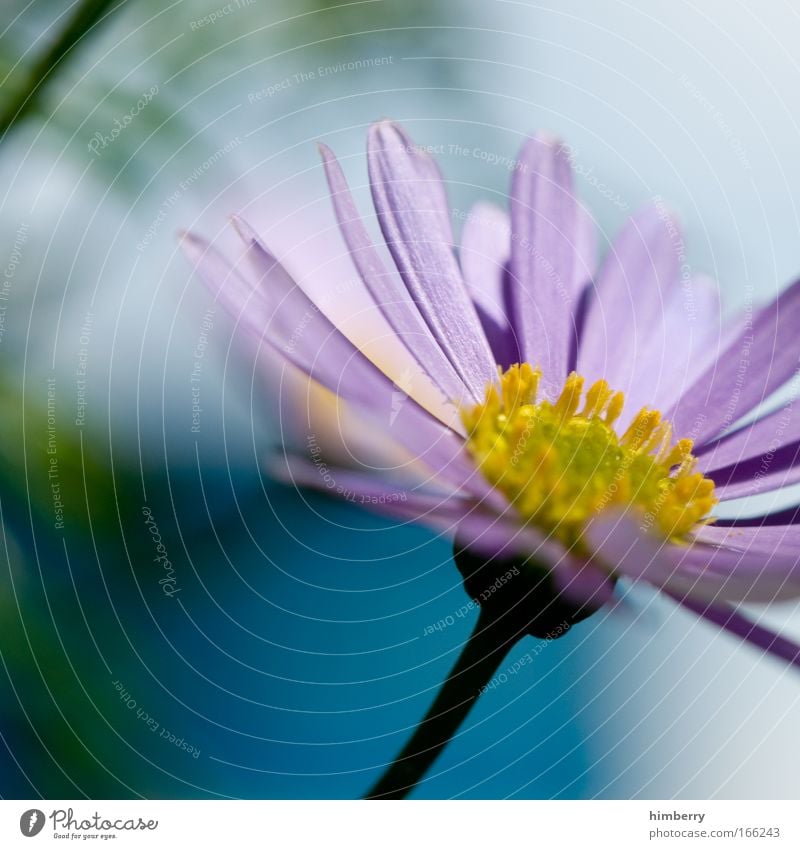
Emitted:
pixel 500 337
pixel 484 255
pixel 759 360
pixel 489 532
pixel 779 539
pixel 410 212
pixel 759 457
pixel 485 251
pixel 545 235
pixel 733 621
pixel 386 288
pixel 583 582
pixel 787 516
pixel 369 489
pixel 430 177
pixel 275 309
pixel 618 541
pixel 502 535
pixel 761 438
pixel 584 271
pixel 713 573
pixel 692 314
pixel 585 250
pixel 724 574
pixel 773 470
pixel 626 313
pixel 492 533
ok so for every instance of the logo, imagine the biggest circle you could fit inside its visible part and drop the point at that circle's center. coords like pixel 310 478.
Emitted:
pixel 31 822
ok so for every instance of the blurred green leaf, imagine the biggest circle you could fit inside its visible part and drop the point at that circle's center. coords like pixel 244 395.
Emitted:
pixel 85 21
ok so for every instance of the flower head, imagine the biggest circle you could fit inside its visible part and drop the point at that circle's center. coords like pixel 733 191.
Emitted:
pixel 586 418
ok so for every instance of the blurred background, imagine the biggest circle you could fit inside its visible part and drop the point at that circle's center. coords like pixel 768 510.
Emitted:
pixel 282 650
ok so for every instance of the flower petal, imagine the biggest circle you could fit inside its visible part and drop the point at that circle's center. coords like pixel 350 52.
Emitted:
pixel 484 256
pixel 409 208
pixel 723 574
pixel 430 177
pixel 386 288
pixel 758 360
pixel 485 251
pixel 709 572
pixel 783 539
pixel 584 272
pixel 371 489
pixel 501 339
pixel 773 470
pixel 545 234
pixel 762 437
pixel 733 621
pixel 448 513
pixel 585 249
pixel 583 581
pixel 786 516
pixel 752 459
pixel 691 314
pixel 274 308
pixel 625 310
pixel 502 536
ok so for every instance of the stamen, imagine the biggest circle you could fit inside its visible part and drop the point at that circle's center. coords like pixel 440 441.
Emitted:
pixel 560 467
pixel 567 404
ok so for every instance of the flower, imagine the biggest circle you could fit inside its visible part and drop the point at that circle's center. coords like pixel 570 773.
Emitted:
pixel 589 418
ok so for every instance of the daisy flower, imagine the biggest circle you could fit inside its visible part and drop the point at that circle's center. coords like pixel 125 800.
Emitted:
pixel 568 425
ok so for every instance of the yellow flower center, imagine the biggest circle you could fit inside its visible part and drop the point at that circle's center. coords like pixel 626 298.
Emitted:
pixel 562 463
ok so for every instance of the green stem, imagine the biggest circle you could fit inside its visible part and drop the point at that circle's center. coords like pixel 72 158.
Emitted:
pixel 477 663
pixel 87 15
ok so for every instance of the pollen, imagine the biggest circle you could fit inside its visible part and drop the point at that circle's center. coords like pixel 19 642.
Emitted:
pixel 562 462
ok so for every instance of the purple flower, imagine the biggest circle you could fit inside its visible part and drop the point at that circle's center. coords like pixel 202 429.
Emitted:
pixel 533 404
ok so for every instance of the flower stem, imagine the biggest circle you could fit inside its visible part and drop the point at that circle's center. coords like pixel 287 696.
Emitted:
pixel 484 650
pixel 84 21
